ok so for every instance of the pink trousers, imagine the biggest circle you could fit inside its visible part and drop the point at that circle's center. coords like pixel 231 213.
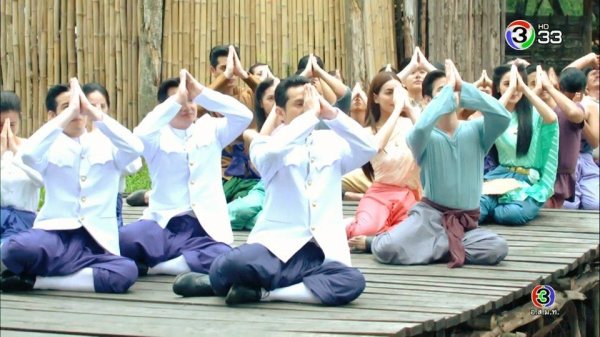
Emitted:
pixel 383 207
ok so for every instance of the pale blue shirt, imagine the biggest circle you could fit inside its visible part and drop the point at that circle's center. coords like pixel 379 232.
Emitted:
pixel 452 166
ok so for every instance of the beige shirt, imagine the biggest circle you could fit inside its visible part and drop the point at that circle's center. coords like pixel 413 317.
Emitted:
pixel 395 164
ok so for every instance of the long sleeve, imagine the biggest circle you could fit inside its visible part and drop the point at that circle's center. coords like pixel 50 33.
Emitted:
pixel 149 128
pixel 129 147
pixel 267 152
pixel 33 175
pixel 361 143
pixel 236 119
pixel 418 138
pixel 495 116
pixel 546 161
pixel 35 149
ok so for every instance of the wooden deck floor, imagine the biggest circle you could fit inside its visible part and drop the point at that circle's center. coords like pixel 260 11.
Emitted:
pixel 398 300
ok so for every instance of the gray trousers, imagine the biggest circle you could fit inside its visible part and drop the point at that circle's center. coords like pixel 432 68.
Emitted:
pixel 421 239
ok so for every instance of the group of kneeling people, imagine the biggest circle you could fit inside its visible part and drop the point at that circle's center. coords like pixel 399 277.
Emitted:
pixel 298 249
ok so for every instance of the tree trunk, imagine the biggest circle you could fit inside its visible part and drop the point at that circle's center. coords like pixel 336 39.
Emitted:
pixel 355 42
pixel 150 55
pixel 587 26
pixel 409 26
pixel 470 33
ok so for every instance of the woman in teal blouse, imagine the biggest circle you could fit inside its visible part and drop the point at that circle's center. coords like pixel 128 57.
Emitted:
pixel 527 151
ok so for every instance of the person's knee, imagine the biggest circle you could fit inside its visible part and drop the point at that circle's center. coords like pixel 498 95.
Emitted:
pixel 17 249
pixel 388 252
pixel 497 251
pixel 513 214
pixel 344 285
pixel 223 270
pixel 590 202
pixel 118 279
pixel 486 206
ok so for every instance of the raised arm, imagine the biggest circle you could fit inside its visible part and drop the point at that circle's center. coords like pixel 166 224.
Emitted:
pixel 35 149
pixel 495 116
pixel 163 113
pixel 129 147
pixel 548 115
pixel 575 114
pixel 361 146
pixel 444 103
pixel 236 115
pixel 383 135
pixel 591 127
pixel 589 60
pixel 338 87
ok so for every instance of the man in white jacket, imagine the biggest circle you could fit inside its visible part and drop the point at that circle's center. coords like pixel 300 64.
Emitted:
pixel 297 250
pixel 186 225
pixel 74 242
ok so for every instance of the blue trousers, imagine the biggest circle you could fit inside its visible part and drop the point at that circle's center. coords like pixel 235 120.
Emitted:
pixel 59 253
pixel 253 265
pixel 145 241
pixel 516 213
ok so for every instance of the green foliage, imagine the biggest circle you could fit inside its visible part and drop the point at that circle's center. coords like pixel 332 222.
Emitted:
pixel 138 181
pixel 570 7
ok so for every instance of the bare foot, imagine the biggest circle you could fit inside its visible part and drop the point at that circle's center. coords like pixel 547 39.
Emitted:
pixel 358 244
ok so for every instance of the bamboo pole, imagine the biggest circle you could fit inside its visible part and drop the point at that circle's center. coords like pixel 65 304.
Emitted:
pixel 213 29
pixel 237 38
pixel 15 47
pixel 306 48
pixel 88 43
pixel 223 28
pixel 319 36
pixel 184 36
pixel 112 56
pixel 266 45
pixel 27 98
pixel 166 45
pixel 4 52
pixel 176 44
pixel 311 26
pixel 253 29
pixel 81 41
pixel 56 59
pixel 43 55
pixel 283 67
pixel 195 69
pixel 244 29
pixel 220 14
pixel 101 31
pixel 330 30
pixel 277 40
pixel 10 28
pixel 204 66
pixel 258 43
pixel 122 40
pixel 131 16
pixel 33 110
pixel 135 78
pixel 71 55
pixel 182 45
pixel 300 33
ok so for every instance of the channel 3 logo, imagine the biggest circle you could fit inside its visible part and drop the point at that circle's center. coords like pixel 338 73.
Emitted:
pixel 543 296
pixel 521 35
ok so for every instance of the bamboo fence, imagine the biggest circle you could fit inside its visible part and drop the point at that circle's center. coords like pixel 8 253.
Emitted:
pixel 45 42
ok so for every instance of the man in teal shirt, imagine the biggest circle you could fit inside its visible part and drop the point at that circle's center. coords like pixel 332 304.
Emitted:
pixel 443 226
